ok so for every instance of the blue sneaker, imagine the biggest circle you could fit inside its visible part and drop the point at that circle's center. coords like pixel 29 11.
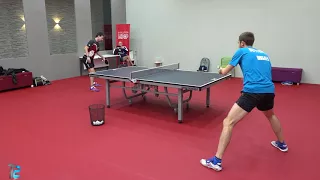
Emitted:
pixel 212 163
pixel 281 146
pixel 94 89
pixel 96 84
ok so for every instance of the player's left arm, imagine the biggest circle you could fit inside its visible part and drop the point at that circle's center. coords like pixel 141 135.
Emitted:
pixel 98 53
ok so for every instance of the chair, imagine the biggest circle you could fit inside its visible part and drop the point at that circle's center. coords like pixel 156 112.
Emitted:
pixel 134 62
pixel 225 61
pixel 204 65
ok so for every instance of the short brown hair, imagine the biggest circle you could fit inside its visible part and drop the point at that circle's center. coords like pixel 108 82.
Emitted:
pixel 247 37
pixel 99 34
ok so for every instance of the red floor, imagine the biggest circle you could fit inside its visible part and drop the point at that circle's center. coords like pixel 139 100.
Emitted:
pixel 46 130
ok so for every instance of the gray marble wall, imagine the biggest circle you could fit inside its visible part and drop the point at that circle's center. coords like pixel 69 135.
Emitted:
pixel 13 36
pixel 61 22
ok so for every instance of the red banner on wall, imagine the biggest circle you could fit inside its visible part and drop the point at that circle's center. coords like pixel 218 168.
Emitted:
pixel 123 34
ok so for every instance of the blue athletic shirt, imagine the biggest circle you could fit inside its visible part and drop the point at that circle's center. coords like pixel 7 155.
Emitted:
pixel 256 69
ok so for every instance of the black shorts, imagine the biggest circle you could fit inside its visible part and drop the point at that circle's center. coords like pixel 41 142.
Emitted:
pixel 88 65
pixel 263 101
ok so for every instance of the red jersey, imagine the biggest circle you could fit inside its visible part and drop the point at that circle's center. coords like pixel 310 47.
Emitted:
pixel 93 48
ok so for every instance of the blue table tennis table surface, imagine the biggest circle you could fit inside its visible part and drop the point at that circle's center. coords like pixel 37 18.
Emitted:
pixel 175 77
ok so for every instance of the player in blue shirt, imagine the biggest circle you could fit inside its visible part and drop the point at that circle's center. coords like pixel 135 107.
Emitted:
pixel 258 91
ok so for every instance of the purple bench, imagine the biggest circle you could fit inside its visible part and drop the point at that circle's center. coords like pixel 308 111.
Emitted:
pixel 280 74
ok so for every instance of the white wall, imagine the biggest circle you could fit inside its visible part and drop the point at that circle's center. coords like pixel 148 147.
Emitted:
pixel 118 16
pixel 39 61
pixel 186 30
pixel 83 22
pixel 97 18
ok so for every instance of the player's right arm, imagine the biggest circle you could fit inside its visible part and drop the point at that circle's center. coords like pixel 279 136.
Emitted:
pixel 233 63
pixel 86 49
pixel 236 58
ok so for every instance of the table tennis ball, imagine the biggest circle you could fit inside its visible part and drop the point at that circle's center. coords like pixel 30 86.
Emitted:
pixel 32 86
pixel 97 122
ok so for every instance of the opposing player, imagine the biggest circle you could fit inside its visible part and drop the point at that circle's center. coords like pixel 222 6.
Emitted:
pixel 258 91
pixel 91 49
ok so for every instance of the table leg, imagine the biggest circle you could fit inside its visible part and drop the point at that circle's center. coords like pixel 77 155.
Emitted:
pixel 108 93
pixel 180 105
pixel 208 97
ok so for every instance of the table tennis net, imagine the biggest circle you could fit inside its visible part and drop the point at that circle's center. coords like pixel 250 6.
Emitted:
pixel 152 71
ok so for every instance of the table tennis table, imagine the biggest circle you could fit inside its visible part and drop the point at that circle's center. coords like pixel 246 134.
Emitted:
pixel 147 80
